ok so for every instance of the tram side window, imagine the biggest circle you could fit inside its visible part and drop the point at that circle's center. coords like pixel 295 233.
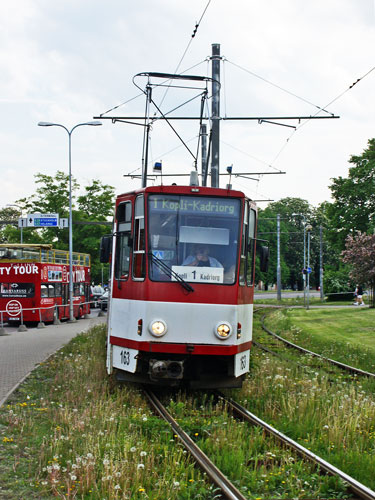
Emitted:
pixel 122 263
pixel 43 290
pixel 139 260
pixel 243 261
pixel 251 247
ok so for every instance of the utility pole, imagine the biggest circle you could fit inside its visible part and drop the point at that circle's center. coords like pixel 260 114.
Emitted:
pixel 215 111
pixel 308 230
pixel 204 153
pixel 321 265
pixel 278 260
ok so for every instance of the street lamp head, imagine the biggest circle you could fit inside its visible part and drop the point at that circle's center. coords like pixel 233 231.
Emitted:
pixel 95 123
pixel 46 124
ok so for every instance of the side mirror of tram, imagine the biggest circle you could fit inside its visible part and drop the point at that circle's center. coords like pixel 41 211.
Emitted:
pixel 105 249
pixel 264 259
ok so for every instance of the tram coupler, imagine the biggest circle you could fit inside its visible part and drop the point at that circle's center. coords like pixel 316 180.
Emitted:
pixel 166 369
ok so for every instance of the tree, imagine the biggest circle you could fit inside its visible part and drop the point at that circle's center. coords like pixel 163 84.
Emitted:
pixel 353 208
pixel 293 212
pixel 9 233
pixel 360 254
pixel 93 205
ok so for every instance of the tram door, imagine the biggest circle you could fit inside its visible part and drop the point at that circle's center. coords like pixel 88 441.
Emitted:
pixel 65 300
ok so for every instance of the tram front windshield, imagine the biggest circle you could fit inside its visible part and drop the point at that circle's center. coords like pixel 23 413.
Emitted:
pixel 195 237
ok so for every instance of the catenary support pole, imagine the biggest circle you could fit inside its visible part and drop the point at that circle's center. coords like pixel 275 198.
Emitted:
pixel 321 265
pixel 215 111
pixel 204 153
pixel 278 260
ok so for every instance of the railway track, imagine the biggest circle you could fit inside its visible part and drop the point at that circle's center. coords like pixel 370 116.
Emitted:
pixel 228 489
pixel 342 366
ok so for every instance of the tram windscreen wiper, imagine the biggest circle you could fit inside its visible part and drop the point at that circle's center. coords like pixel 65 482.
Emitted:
pixel 169 272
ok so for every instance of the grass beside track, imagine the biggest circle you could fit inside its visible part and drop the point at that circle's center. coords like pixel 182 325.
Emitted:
pixel 71 432
pixel 346 335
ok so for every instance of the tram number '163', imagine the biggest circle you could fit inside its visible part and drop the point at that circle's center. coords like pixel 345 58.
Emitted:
pixel 125 358
pixel 241 363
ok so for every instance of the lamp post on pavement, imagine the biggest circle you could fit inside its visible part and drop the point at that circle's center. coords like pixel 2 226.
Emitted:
pixel 18 206
pixel 69 132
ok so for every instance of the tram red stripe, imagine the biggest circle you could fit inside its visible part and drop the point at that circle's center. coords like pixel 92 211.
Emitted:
pixel 199 349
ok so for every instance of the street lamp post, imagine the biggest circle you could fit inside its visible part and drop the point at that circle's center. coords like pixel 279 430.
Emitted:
pixel 308 229
pixel 18 206
pixel 69 132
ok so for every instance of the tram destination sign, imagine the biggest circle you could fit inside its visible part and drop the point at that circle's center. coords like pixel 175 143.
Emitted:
pixel 43 220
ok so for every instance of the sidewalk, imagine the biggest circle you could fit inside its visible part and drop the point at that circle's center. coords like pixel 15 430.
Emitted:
pixel 21 351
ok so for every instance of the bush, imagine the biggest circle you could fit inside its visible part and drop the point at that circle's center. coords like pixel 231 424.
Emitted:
pixel 337 281
pixel 343 296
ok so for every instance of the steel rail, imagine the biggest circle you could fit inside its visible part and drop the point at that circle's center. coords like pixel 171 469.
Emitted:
pixel 311 353
pixel 227 488
pixel 355 486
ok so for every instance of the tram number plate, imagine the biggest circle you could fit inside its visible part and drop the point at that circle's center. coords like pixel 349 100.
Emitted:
pixel 125 358
pixel 241 363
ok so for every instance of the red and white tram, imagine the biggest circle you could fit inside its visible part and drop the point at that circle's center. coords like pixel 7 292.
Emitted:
pixel 182 286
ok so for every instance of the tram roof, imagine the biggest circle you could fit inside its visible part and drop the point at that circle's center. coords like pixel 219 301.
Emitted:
pixel 188 190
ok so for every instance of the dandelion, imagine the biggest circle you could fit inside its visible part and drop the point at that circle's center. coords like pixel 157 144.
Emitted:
pixel 106 461
pixel 176 484
pixel 140 466
pixel 141 489
pixel 143 453
pixel 133 449
pixel 73 477
pixel 117 487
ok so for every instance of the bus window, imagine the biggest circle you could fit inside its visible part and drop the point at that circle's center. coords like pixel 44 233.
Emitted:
pixel 81 290
pixel 58 289
pixel 122 262
pixel 139 239
pixel 76 289
pixel 51 290
pixel 43 290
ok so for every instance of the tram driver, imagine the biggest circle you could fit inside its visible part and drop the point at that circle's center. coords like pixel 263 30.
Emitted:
pixel 201 258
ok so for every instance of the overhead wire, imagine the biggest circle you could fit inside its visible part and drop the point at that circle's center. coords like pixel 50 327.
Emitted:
pixel 279 87
pixel 197 24
pixel 329 104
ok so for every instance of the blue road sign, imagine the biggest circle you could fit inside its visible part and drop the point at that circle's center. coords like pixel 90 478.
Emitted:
pixel 308 269
pixel 45 222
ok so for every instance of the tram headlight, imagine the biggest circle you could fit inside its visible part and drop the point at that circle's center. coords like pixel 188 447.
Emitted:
pixel 158 328
pixel 223 330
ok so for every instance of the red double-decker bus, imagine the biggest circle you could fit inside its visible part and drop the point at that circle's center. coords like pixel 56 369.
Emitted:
pixel 34 283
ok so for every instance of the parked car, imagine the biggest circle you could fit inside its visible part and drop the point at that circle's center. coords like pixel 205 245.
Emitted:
pixel 96 292
pixel 103 301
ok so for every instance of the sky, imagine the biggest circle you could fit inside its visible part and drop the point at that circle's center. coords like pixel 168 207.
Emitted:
pixel 68 61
